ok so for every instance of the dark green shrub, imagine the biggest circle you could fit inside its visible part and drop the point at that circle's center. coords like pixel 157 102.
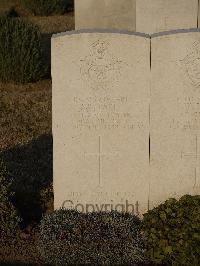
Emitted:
pixel 9 218
pixel 12 13
pixel 172 232
pixel 70 237
pixel 47 7
pixel 20 51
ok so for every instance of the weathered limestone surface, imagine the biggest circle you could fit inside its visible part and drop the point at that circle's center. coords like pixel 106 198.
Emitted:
pixel 199 16
pixel 101 94
pixel 105 14
pixel 175 116
pixel 163 15
pixel 148 16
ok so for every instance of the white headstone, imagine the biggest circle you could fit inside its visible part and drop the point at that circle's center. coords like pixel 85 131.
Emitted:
pixel 101 90
pixel 164 15
pixel 175 116
pixel 108 99
pixel 105 14
pixel 148 16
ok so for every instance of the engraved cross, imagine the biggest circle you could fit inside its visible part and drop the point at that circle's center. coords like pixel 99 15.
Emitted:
pixel 195 156
pixel 100 154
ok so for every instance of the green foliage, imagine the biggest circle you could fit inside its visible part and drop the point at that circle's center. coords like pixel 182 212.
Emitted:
pixel 47 198
pixel 172 232
pixel 9 218
pixel 20 51
pixel 70 237
pixel 47 7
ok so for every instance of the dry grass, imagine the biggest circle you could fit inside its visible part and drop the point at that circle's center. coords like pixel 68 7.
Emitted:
pixel 6 4
pixel 25 113
pixel 54 24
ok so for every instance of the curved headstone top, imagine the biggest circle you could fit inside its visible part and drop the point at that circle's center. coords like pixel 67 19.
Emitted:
pixel 123 32
pixel 148 16
pixel 113 92
pixel 103 31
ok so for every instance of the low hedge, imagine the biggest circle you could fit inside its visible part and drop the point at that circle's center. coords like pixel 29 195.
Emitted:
pixel 70 237
pixel 172 232
pixel 21 54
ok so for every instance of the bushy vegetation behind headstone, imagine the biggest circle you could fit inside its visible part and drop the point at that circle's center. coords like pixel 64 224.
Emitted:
pixel 21 57
pixel 47 7
pixel 9 217
pixel 172 232
pixel 70 237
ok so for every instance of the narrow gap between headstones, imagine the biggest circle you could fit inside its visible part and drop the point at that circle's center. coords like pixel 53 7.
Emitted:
pixel 198 15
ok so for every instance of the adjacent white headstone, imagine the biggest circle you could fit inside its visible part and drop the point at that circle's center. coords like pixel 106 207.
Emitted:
pixel 148 16
pixel 175 116
pixel 105 14
pixel 164 15
pixel 101 93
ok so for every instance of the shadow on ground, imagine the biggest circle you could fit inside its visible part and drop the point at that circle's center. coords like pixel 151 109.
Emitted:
pixel 31 168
